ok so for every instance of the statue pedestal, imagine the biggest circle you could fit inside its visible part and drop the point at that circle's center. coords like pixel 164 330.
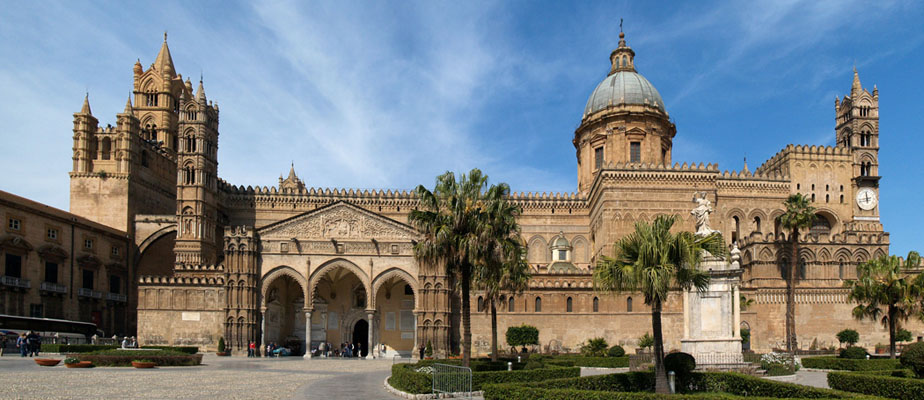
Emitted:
pixel 711 319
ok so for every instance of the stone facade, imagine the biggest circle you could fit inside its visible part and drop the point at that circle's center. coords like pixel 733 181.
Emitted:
pixel 292 264
pixel 63 266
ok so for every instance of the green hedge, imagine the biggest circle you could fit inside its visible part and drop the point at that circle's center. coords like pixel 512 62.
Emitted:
pixel 877 385
pixel 181 349
pixel 75 348
pixel 404 377
pixel 640 385
pixel 582 361
pixel 848 364
pixel 116 358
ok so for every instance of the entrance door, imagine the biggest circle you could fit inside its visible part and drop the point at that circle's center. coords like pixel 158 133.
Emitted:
pixel 361 336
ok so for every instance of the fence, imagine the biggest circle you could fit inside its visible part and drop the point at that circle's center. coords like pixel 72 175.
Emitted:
pixel 397 358
pixel 452 379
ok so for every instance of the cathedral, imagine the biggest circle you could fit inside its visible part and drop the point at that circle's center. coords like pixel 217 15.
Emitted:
pixel 299 266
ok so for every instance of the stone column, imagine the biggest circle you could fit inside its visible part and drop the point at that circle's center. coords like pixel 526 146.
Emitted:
pixel 372 345
pixel 736 303
pixel 307 334
pixel 686 314
pixel 262 331
pixel 415 353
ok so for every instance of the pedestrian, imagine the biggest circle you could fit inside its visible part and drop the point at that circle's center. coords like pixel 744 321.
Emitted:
pixel 421 351
pixel 3 344
pixel 35 343
pixel 22 344
pixel 269 351
pixel 251 348
pixel 125 342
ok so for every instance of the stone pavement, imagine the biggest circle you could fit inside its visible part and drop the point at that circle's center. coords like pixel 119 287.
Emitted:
pixel 813 378
pixel 219 377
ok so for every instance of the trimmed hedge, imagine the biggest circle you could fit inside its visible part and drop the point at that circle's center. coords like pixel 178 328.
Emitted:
pixel 75 348
pixel 181 349
pixel 848 364
pixel 124 358
pixel 404 377
pixel 877 385
pixel 582 361
pixel 640 385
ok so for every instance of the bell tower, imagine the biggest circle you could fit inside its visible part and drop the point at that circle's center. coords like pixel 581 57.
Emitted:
pixel 198 236
pixel 857 129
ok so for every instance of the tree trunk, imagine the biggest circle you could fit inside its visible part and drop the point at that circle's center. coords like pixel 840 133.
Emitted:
pixel 891 332
pixel 493 331
pixel 466 317
pixel 661 385
pixel 791 342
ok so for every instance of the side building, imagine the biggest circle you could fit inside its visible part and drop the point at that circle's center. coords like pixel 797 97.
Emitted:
pixel 63 266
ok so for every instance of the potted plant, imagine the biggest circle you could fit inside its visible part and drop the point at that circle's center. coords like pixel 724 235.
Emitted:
pixel 221 348
pixel 47 362
pixel 143 364
pixel 74 362
pixel 428 351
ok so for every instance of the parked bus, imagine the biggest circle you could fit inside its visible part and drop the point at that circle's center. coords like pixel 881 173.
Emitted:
pixel 51 330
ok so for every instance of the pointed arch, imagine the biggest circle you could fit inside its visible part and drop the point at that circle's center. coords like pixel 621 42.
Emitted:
pixel 537 250
pixel 332 265
pixel 766 254
pixel 278 272
pixel 581 250
pixel 399 273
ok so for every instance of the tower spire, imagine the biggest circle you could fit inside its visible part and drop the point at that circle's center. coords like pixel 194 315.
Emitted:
pixel 128 105
pixel 86 105
pixel 856 87
pixel 164 61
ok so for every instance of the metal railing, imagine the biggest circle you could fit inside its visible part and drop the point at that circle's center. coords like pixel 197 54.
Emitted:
pixel 452 379
pixel 712 360
pixel 397 358
pixel 84 292
pixel 15 282
pixel 53 287
pixel 116 297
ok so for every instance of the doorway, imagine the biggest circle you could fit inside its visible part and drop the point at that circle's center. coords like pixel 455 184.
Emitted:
pixel 361 337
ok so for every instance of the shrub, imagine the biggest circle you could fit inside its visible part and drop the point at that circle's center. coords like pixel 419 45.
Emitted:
pixel 853 352
pixel 849 336
pixel 595 347
pixel 124 358
pixel 221 344
pixel 778 364
pixel 903 335
pixel 681 363
pixel 428 351
pixel 848 364
pixel 913 357
pixel 885 386
pixel 522 335
pixel 616 351
pixel 71 360
pixel 412 378
pixel 75 348
pixel 646 341
pixel 181 349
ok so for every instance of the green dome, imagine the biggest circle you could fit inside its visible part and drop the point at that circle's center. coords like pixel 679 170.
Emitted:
pixel 623 87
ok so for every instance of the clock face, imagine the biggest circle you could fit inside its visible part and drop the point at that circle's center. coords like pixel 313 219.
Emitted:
pixel 866 199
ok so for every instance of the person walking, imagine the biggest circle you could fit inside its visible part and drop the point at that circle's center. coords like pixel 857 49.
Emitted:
pixel 35 343
pixel 251 349
pixel 22 344
pixel 269 350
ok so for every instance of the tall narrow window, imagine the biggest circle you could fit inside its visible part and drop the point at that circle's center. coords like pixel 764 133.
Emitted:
pixel 51 272
pixel 757 224
pixel 88 279
pixel 115 284
pixel 596 304
pixel 538 304
pixel 635 152
pixel 737 225
pixel 598 157
pixel 569 305
pixel 13 266
pixel 629 304
pixel 510 304
pixel 480 304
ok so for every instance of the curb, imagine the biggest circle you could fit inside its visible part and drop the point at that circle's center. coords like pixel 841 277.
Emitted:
pixel 429 396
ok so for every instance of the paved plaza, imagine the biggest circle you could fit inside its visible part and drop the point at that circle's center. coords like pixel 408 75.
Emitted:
pixel 218 377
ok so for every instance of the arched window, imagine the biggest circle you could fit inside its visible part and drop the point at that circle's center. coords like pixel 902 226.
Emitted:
pixel 827 198
pixel 841 270
pixel 94 148
pixel 737 224
pixel 538 304
pixel 802 269
pixel 842 199
pixel 480 304
pixel 596 304
pixel 510 304
pixel 757 224
pixel 629 304
pixel 821 226
pixel 106 148
pixel 570 305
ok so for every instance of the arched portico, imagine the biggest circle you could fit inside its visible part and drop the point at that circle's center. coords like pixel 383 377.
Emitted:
pixel 395 301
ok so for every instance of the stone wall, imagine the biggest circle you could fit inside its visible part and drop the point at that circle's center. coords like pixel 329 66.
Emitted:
pixel 181 315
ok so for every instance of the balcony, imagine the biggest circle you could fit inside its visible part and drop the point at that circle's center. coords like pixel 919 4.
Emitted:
pixel 53 287
pixel 84 292
pixel 116 297
pixel 15 282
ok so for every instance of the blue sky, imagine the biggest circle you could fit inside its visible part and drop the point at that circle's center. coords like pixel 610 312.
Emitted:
pixel 389 94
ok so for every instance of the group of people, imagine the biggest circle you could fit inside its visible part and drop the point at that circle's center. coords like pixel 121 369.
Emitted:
pixel 29 344
pixel 346 350
pixel 129 343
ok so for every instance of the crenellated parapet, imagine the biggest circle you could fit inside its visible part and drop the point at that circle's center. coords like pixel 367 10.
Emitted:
pixel 802 152
pixel 152 280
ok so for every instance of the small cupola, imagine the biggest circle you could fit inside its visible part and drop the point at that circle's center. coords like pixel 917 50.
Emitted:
pixel 623 58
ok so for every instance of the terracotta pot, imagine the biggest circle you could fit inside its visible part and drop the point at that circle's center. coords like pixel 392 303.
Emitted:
pixel 47 362
pixel 82 364
pixel 223 353
pixel 139 364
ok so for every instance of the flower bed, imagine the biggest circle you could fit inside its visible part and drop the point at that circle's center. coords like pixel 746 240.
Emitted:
pixel 877 385
pixel 848 364
pixel 181 349
pixel 75 348
pixel 640 385
pixel 416 378
pixel 124 358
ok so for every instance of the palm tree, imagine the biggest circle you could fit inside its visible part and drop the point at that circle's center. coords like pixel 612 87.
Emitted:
pixel 652 260
pixel 799 215
pixel 503 264
pixel 885 282
pixel 450 219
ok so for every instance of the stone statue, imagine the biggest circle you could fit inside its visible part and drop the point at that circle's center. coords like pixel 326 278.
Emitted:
pixel 701 212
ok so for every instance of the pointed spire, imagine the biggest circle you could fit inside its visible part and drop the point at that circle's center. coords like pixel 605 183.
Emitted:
pixel 292 171
pixel 164 62
pixel 200 92
pixel 86 105
pixel 138 69
pixel 128 105
pixel 745 169
pixel 855 88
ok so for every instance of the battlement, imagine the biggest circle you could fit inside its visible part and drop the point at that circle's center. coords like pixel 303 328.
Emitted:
pixel 849 237
pixel 806 152
pixel 150 280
